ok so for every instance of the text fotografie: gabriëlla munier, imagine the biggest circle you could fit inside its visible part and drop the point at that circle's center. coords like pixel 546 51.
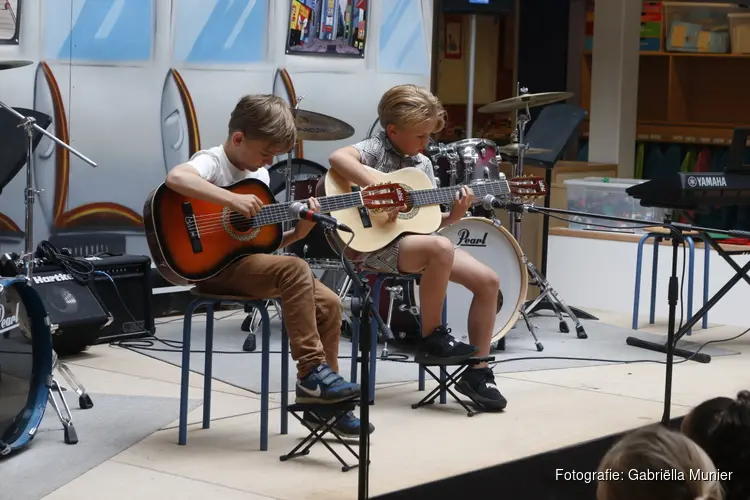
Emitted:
pixel 644 475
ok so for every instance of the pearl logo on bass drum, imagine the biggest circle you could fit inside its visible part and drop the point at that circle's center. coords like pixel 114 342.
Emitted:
pixel 465 239
pixel 52 278
pixel 8 322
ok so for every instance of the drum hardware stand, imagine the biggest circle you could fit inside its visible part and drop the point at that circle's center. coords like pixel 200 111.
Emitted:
pixel 69 431
pixel 548 297
pixel 29 125
pixel 394 292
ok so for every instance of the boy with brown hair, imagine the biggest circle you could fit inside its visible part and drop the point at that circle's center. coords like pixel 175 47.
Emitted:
pixel 261 127
pixel 409 115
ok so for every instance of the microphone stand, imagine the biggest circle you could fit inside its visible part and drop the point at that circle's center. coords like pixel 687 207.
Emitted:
pixel 676 229
pixel 363 308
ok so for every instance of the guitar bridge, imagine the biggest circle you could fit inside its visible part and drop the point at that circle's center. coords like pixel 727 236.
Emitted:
pixel 363 214
pixel 191 225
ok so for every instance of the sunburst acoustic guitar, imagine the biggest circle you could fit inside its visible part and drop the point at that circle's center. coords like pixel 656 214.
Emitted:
pixel 192 240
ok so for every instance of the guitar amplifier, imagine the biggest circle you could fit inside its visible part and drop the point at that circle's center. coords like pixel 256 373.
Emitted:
pixel 123 286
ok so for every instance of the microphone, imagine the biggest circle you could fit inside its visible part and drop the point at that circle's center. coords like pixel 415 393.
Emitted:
pixel 301 211
pixel 489 202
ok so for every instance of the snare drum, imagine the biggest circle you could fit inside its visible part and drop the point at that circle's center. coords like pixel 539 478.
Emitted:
pixel 471 159
pixel 305 177
pixel 25 367
pixel 492 244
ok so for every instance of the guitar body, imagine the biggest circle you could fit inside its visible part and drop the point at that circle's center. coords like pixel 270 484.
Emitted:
pixel 379 232
pixel 223 238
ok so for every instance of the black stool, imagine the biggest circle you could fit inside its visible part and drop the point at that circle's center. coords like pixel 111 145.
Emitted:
pixel 447 380
pixel 318 431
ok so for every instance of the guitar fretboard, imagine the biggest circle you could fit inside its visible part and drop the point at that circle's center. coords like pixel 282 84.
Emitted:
pixel 447 194
pixel 279 212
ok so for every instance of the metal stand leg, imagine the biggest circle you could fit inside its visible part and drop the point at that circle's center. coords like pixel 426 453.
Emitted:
pixel 70 435
pixel 84 400
pixel 550 294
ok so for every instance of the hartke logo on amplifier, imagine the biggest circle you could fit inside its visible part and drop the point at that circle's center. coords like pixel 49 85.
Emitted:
pixel 52 278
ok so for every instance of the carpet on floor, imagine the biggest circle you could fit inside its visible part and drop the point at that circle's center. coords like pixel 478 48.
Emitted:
pixel 605 345
pixel 114 424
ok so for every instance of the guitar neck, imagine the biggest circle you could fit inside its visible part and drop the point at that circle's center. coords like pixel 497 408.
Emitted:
pixel 278 213
pixel 447 194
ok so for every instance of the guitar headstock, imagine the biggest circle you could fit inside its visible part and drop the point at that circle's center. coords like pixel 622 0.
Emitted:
pixel 384 196
pixel 527 188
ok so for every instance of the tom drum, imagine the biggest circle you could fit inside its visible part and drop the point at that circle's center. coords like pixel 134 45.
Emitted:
pixel 466 161
pixel 25 366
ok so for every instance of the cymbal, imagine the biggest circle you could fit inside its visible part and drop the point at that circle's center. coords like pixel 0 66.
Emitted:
pixel 512 150
pixel 13 64
pixel 313 126
pixel 521 101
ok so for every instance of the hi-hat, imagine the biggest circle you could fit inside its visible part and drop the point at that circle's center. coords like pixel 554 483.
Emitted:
pixel 313 126
pixel 13 64
pixel 512 150
pixel 523 100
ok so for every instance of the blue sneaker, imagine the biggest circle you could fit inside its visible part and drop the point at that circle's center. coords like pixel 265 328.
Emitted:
pixel 348 425
pixel 324 386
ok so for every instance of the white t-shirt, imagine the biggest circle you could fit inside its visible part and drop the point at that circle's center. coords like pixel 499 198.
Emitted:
pixel 214 166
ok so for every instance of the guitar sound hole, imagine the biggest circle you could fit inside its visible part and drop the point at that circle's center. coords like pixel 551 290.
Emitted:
pixel 240 223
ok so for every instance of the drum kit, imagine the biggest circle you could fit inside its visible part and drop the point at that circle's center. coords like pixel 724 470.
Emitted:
pixel 27 358
pixel 480 233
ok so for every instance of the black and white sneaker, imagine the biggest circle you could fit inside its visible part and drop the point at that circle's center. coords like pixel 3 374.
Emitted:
pixel 442 348
pixel 479 385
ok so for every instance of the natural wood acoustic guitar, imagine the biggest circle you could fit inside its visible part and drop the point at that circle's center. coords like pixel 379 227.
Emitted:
pixel 419 203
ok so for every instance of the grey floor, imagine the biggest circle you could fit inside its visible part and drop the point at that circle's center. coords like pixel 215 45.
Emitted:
pixel 114 424
pixel 605 345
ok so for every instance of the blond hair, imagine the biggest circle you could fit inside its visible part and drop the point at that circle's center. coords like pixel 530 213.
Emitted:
pixel 267 118
pixel 643 459
pixel 410 106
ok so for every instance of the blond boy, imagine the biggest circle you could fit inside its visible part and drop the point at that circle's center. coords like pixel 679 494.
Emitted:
pixel 261 127
pixel 409 115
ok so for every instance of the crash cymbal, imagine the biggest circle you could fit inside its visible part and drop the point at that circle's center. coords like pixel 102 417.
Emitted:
pixel 512 150
pixel 520 102
pixel 13 64
pixel 313 126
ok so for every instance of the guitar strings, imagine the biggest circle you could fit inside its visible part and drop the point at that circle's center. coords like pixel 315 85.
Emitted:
pixel 279 212
pixel 274 214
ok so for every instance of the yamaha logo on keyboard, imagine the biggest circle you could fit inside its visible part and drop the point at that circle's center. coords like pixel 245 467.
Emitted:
pixel 706 181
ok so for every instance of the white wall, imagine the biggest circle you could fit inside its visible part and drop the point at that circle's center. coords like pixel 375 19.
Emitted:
pixel 601 274
pixel 114 111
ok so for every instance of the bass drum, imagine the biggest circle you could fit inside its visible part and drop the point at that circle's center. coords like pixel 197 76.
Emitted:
pixel 493 245
pixel 25 367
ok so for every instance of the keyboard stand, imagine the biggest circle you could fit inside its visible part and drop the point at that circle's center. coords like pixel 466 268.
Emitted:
pixel 740 274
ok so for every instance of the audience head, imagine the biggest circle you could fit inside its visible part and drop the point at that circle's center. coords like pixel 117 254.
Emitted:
pixel 702 419
pixel 727 442
pixel 655 463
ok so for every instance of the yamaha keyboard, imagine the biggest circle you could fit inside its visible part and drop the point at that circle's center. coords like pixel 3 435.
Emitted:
pixel 694 190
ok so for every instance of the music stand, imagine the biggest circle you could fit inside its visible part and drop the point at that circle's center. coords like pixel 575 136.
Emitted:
pixel 552 130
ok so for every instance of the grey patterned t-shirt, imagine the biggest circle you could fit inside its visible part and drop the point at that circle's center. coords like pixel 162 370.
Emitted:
pixel 377 152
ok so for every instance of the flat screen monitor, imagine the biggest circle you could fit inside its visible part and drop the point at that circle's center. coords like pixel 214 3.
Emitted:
pixel 478 6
